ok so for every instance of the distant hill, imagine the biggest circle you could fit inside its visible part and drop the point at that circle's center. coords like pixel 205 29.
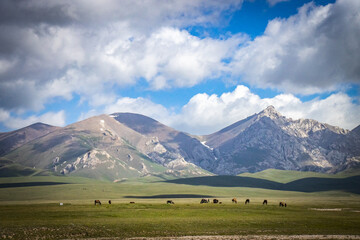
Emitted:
pixel 126 145
pixel 12 140
pixel 309 184
pixel 285 176
pixel 99 147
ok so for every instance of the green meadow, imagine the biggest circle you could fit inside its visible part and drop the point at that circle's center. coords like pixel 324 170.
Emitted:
pixel 30 206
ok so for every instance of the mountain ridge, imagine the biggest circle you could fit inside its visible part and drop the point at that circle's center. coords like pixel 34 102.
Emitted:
pixel 125 145
pixel 14 139
pixel 282 143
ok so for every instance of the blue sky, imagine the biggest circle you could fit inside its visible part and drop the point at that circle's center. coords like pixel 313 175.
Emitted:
pixel 197 66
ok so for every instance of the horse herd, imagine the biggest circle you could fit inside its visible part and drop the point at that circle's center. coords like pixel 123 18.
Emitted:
pixel 234 200
pixel 216 201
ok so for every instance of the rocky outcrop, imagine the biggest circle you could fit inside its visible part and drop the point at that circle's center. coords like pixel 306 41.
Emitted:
pixel 270 140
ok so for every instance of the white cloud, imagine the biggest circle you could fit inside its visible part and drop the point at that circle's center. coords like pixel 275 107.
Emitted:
pixel 4 115
pixel 205 114
pixel 60 48
pixel 51 118
pixel 55 49
pixel 139 105
pixel 174 58
pixel 313 51
pixel 337 109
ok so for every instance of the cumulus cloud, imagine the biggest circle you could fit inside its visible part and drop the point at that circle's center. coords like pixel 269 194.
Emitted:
pixel 139 105
pixel 174 58
pixel 86 46
pixel 205 114
pixel 55 49
pixel 313 51
pixel 51 118
pixel 140 14
pixel 208 113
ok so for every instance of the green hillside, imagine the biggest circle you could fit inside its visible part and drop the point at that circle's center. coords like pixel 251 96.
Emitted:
pixel 285 176
pixel 47 189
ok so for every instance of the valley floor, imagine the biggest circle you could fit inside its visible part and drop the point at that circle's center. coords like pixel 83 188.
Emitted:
pixel 30 209
pixel 139 221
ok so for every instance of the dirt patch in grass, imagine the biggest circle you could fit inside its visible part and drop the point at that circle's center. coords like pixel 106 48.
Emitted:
pixel 326 209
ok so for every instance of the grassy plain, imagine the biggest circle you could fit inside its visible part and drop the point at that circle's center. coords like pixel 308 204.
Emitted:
pixel 51 221
pixel 30 209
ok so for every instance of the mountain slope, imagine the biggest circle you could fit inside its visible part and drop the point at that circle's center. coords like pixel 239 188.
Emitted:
pixel 12 140
pixel 270 140
pixel 177 147
pixel 99 147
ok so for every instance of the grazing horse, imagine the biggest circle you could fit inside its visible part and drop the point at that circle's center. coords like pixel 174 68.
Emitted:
pixel 234 200
pixel 109 201
pixel 170 202
pixel 265 202
pixel 132 202
pixel 215 200
pixel 282 204
pixel 247 201
pixel 97 202
pixel 204 200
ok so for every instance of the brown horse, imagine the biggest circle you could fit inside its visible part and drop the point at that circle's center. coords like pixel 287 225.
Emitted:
pixel 215 200
pixel 97 202
pixel 170 202
pixel 265 202
pixel 234 200
pixel 204 200
pixel 132 202
pixel 282 204
pixel 247 201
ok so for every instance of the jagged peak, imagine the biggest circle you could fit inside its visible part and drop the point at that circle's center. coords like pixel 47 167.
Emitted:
pixel 270 112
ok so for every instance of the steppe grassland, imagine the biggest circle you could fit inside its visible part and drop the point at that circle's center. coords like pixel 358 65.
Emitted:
pixel 53 221
pixel 34 212
pixel 84 191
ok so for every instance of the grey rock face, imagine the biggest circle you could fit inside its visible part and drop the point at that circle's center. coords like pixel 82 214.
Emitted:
pixel 270 140
pixel 167 144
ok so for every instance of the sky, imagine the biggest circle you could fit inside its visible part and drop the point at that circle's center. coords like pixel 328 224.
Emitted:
pixel 195 65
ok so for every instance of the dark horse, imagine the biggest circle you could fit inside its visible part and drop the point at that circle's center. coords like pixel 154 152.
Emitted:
pixel 97 202
pixel 265 202
pixel 247 201
pixel 109 201
pixel 282 204
pixel 204 200
pixel 215 200
pixel 170 202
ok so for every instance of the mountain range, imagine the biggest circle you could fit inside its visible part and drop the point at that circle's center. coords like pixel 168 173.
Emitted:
pixel 126 145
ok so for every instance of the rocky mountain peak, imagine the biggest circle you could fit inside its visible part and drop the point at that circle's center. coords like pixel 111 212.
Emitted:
pixel 270 112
